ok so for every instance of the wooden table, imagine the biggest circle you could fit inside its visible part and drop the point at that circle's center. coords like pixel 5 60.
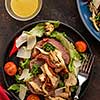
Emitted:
pixel 62 10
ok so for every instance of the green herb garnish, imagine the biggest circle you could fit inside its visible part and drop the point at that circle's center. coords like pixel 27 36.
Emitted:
pixel 35 69
pixel 74 88
pixel 48 47
pixel 17 78
pixel 25 63
pixel 97 17
pixel 61 84
pixel 65 76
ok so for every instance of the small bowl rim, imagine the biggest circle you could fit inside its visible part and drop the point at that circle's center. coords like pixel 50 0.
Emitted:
pixel 27 18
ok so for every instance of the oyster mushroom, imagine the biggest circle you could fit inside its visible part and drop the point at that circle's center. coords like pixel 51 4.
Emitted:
pixel 54 79
pixel 72 80
pixel 49 28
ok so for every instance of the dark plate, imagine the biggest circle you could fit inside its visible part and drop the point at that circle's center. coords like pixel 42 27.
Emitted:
pixel 73 36
pixel 85 15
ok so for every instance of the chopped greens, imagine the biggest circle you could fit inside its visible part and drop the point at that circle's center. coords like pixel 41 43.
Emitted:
pixel 65 76
pixel 61 84
pixel 74 88
pixel 17 78
pixel 97 17
pixel 35 69
pixel 48 47
pixel 25 63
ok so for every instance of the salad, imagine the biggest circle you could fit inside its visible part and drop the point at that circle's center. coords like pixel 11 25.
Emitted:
pixel 48 63
pixel 94 6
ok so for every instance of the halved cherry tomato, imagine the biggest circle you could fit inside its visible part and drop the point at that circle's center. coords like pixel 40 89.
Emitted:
pixel 33 97
pixel 10 68
pixel 81 46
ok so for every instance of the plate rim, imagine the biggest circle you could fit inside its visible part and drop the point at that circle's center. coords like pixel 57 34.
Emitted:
pixel 25 27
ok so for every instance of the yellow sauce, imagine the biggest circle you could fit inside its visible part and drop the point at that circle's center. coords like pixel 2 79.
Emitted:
pixel 24 8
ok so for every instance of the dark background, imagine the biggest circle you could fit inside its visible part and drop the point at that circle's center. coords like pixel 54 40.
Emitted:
pixel 62 10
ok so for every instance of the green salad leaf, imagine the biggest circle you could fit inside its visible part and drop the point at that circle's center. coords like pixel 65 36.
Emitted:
pixel 24 63
pixel 55 23
pixel 59 36
pixel 14 87
pixel 17 78
pixel 73 52
pixel 71 67
pixel 38 30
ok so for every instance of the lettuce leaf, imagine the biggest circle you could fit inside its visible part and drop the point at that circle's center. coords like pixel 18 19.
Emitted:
pixel 38 30
pixel 14 87
pixel 55 23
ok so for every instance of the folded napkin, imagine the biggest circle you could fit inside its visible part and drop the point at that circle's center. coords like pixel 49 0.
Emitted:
pixel 3 95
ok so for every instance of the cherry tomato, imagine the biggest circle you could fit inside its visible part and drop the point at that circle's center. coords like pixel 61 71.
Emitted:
pixel 33 97
pixel 81 46
pixel 10 68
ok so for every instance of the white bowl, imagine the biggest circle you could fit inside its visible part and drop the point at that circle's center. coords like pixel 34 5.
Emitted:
pixel 13 15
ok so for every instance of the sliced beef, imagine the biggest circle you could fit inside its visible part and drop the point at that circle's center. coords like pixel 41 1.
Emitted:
pixel 58 45
pixel 35 61
pixel 40 45
pixel 37 81
pixel 61 48
pixel 46 59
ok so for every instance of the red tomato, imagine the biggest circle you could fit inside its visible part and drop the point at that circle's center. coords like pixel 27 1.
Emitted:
pixel 10 68
pixel 33 97
pixel 81 46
